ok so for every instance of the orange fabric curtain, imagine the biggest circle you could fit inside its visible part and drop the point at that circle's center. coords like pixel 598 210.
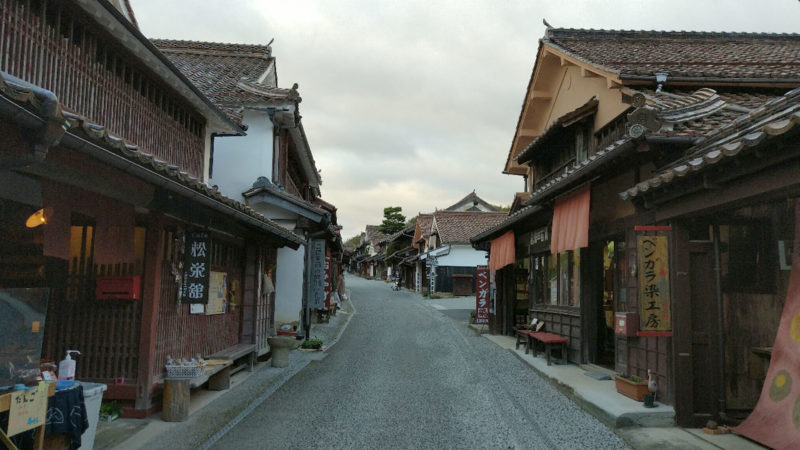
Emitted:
pixel 571 221
pixel 502 252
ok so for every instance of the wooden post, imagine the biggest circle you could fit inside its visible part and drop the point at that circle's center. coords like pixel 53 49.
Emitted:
pixel 154 255
pixel 175 400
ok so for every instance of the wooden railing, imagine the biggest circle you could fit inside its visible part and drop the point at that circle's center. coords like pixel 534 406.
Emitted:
pixel 50 43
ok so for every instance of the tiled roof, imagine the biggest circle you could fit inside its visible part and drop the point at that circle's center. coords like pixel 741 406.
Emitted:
pixel 228 74
pixel 456 227
pixel 374 236
pixel 424 221
pixel 471 199
pixel 774 118
pixel 701 112
pixel 682 53
pixel 506 224
pixel 97 134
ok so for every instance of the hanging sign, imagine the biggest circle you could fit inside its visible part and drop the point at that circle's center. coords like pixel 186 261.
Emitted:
pixel 482 294
pixel 196 270
pixel 28 409
pixel 316 274
pixel 654 295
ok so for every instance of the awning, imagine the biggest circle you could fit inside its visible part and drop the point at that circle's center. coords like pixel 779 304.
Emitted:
pixel 571 221
pixel 501 252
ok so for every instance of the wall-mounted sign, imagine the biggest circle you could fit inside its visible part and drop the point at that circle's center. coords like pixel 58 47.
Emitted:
pixel 654 295
pixel 327 282
pixel 196 270
pixel 28 409
pixel 540 235
pixel 482 294
pixel 316 274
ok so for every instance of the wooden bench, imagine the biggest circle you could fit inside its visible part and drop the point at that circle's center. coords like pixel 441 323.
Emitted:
pixel 221 379
pixel 548 339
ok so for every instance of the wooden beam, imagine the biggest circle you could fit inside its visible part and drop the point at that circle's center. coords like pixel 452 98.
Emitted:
pixel 612 84
pixel 586 73
pixel 154 255
pixel 528 132
pixel 539 95
pixel 566 62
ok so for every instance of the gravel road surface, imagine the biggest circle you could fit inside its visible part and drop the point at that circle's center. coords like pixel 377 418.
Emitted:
pixel 407 375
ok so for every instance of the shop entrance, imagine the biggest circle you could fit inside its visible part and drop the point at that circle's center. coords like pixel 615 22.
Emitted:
pixel 604 307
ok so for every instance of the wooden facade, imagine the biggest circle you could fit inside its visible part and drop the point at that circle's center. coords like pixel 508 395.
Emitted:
pixel 51 44
pixel 117 210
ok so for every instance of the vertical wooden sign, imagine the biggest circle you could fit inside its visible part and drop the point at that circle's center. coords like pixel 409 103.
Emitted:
pixel 196 270
pixel 482 294
pixel 316 274
pixel 654 295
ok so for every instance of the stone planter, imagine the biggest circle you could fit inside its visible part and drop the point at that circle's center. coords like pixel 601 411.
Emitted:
pixel 633 389
pixel 280 347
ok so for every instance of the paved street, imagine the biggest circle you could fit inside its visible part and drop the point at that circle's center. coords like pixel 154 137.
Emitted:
pixel 406 374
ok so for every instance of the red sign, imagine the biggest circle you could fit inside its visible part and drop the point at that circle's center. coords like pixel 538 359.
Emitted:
pixel 327 283
pixel 482 294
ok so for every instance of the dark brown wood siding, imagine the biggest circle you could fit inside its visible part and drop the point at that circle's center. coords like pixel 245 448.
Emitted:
pixel 52 45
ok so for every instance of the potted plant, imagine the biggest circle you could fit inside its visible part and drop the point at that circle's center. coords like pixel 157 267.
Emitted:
pixel 631 386
pixel 110 411
pixel 312 344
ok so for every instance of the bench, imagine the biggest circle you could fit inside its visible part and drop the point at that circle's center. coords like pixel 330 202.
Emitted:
pixel 548 339
pixel 177 391
pixel 221 379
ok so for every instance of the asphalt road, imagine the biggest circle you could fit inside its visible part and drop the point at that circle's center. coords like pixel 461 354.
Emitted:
pixel 407 375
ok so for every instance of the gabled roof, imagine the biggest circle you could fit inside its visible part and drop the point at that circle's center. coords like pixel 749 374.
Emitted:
pixel 471 203
pixel 231 75
pixel 682 54
pixel 633 58
pixel 235 76
pixel 374 237
pixel 456 227
pixel 422 228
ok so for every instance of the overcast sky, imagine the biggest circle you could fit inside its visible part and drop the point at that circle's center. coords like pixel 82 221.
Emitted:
pixel 415 103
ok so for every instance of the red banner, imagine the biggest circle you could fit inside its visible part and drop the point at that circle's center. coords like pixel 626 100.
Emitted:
pixel 482 294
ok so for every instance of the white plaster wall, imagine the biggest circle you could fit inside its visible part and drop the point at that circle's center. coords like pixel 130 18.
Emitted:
pixel 289 285
pixel 463 256
pixel 240 160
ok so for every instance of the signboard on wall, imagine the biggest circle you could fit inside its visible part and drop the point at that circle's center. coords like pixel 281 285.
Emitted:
pixel 482 294
pixel 316 274
pixel 654 295
pixel 327 283
pixel 217 293
pixel 196 270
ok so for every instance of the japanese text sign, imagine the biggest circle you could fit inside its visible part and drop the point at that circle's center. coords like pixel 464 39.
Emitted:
pixel 196 269
pixel 654 295
pixel 316 274
pixel 28 409
pixel 327 283
pixel 482 294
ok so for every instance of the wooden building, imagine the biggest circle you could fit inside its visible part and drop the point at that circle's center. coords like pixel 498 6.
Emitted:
pixel 106 149
pixel 631 139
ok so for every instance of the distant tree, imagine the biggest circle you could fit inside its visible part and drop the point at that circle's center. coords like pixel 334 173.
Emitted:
pixel 393 220
pixel 353 242
pixel 411 222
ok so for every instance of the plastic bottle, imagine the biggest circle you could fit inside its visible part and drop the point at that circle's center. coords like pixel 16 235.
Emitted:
pixel 66 368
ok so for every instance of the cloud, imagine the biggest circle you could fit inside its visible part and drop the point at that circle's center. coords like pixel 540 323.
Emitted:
pixel 414 103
